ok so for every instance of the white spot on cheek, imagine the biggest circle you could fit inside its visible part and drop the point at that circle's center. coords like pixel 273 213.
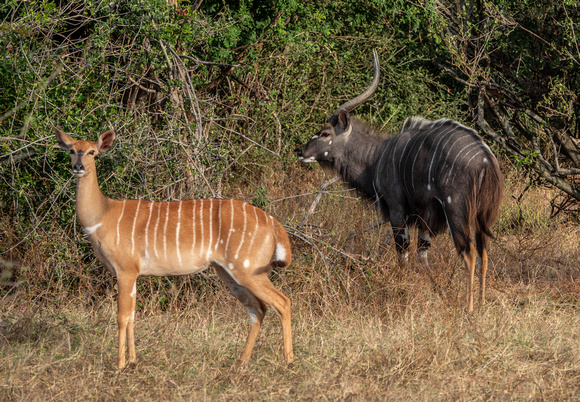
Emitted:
pixel 449 200
pixel 484 160
pixel 330 142
pixel 246 263
pixel 230 266
pixel 326 154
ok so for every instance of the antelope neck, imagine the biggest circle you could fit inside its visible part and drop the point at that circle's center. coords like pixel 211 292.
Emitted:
pixel 91 203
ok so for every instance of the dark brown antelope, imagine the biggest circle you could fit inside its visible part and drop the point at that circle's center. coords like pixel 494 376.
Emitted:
pixel 434 175
pixel 138 237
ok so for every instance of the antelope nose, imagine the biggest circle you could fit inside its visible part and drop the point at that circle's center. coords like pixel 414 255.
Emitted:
pixel 78 166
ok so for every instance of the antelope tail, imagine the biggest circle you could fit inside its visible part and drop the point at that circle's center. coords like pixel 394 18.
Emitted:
pixel 489 197
pixel 283 254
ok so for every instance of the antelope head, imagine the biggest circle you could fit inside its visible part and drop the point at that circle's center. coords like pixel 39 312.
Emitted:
pixel 328 144
pixel 83 153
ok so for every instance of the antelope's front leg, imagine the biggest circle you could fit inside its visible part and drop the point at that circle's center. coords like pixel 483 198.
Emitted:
pixel 125 320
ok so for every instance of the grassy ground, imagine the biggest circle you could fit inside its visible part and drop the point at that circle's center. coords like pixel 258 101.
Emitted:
pixel 365 327
pixel 524 348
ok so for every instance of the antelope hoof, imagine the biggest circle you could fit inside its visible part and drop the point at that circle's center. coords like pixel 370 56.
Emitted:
pixel 130 366
pixel 241 363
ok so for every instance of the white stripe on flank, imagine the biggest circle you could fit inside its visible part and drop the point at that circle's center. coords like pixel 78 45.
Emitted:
pixel 177 233
pixel 415 160
pixel 165 231
pixel 243 231
pixel 443 135
pixel 119 221
pixel 219 225
pixel 133 229
pixel 378 170
pixel 210 229
pixel 156 225
pixel 201 223
pixel 434 154
pixel 231 229
pixel 468 162
pixel 470 159
pixel 92 229
pixel 147 226
pixel 402 154
pixel 457 156
pixel 193 225
pixel 255 231
pixel 395 141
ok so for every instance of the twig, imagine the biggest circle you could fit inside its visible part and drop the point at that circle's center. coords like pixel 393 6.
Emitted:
pixel 191 92
pixel 318 197
pixel 148 90
pixel 211 63
pixel 372 226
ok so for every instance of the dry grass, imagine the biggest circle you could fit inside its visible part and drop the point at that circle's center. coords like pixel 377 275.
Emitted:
pixel 365 327
pixel 508 350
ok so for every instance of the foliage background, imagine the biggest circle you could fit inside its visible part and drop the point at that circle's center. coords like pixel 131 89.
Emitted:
pixel 207 102
pixel 210 99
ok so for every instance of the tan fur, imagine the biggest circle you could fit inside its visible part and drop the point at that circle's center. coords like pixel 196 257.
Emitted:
pixel 139 237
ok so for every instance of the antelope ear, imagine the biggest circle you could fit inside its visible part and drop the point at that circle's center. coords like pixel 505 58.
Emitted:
pixel 105 141
pixel 344 121
pixel 65 141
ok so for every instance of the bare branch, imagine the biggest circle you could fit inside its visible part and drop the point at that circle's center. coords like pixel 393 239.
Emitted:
pixel 318 197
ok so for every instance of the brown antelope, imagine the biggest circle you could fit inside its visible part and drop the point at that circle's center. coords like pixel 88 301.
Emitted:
pixel 138 237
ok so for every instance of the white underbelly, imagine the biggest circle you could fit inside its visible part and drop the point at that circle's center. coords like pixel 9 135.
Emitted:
pixel 160 267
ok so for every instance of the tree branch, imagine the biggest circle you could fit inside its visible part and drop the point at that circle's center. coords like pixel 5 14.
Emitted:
pixel 318 197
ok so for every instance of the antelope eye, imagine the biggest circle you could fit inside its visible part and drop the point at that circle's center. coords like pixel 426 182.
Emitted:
pixel 92 152
pixel 325 134
pixel 72 151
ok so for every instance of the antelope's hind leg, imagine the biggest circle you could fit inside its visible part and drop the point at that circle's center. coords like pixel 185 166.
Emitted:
pixel 263 289
pixel 255 308
pixel 482 242
pixel 469 257
pixel 256 292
